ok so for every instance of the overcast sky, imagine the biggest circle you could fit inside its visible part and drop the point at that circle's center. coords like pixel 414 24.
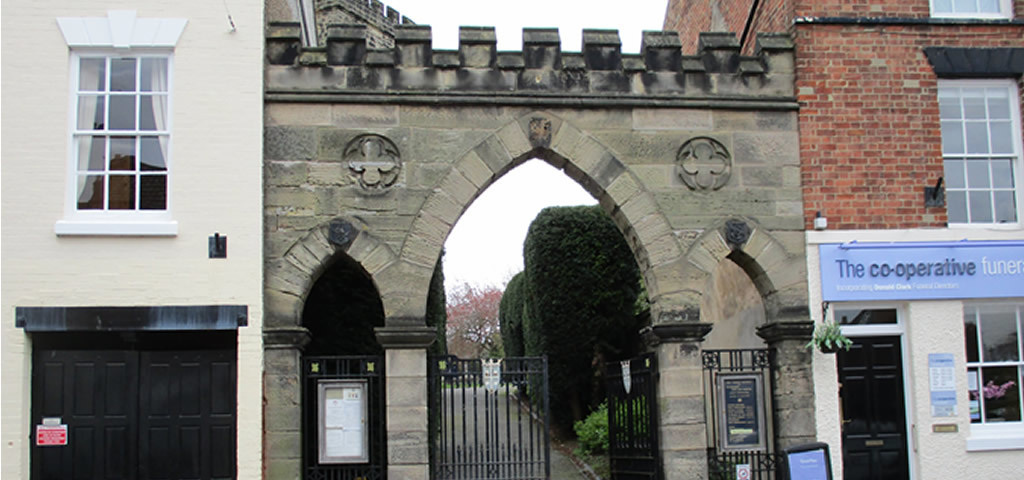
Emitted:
pixel 486 245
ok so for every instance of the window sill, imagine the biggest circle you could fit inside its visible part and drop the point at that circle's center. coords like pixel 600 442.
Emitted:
pixel 148 228
pixel 972 16
pixel 991 441
pixel 986 226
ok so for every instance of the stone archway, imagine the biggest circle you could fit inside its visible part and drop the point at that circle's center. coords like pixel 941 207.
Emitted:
pixel 377 153
pixel 541 135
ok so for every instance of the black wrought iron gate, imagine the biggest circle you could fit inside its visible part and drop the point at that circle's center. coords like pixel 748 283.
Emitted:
pixel 488 424
pixel 362 374
pixel 738 398
pixel 632 418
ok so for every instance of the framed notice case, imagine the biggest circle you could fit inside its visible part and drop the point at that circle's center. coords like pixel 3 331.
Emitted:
pixel 341 421
pixel 741 423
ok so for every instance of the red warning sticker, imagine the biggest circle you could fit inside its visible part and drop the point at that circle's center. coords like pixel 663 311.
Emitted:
pixel 49 436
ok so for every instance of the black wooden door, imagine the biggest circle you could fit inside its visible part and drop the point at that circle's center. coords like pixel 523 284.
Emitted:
pixel 186 415
pixel 94 392
pixel 136 414
pixel 874 415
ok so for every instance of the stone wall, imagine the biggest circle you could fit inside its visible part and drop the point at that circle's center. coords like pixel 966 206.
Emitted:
pixel 376 153
pixel 379 19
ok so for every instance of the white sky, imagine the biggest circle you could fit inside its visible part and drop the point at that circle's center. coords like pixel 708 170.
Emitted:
pixel 486 245
pixel 509 18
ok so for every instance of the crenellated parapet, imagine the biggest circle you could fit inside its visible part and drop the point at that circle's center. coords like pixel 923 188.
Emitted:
pixel 412 71
pixel 380 19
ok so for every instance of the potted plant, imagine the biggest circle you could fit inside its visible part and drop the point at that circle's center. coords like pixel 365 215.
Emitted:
pixel 828 337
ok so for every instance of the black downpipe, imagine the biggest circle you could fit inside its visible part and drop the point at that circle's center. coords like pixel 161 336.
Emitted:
pixel 750 22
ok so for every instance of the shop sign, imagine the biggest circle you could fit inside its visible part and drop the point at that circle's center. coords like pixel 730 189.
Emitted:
pixel 808 462
pixel 942 384
pixel 921 270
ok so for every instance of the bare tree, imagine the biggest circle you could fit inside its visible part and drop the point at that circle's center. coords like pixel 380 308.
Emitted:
pixel 473 327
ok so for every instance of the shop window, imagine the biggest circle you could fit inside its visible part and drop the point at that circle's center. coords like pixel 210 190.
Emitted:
pixel 981 148
pixel 972 8
pixel 994 363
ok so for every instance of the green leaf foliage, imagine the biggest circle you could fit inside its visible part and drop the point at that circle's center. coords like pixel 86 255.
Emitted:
pixel 437 315
pixel 510 315
pixel 582 287
pixel 592 432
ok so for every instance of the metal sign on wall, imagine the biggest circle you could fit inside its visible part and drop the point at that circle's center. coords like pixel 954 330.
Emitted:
pixel 921 270
pixel 741 412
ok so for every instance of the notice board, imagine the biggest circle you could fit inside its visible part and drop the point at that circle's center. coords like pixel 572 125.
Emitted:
pixel 341 420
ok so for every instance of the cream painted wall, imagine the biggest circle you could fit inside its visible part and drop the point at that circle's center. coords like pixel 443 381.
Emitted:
pixel 216 187
pixel 929 327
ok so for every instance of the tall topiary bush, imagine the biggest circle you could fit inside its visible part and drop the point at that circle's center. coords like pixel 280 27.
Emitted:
pixel 437 316
pixel 582 287
pixel 510 314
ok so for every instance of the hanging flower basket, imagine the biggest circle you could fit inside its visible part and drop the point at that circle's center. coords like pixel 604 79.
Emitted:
pixel 828 338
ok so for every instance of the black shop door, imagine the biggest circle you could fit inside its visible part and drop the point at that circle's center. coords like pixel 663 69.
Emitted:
pixel 874 415
pixel 135 414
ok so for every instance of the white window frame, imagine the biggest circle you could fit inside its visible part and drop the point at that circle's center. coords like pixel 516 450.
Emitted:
pixel 998 436
pixel 122 34
pixel 1005 12
pixel 1018 153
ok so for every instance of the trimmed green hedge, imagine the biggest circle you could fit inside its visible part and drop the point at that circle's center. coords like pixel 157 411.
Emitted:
pixel 437 315
pixel 582 287
pixel 510 315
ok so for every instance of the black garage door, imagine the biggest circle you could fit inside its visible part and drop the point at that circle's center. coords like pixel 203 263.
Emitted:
pixel 159 406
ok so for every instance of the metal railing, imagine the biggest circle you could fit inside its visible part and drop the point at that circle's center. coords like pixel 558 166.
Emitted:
pixel 632 419
pixel 754 452
pixel 366 368
pixel 490 430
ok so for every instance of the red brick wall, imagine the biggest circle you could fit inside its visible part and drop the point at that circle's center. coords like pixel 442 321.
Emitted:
pixel 689 18
pixel 874 8
pixel 869 120
pixel 772 16
pixel 863 8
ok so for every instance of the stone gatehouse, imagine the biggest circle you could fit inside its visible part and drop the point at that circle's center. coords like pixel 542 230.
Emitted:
pixel 372 155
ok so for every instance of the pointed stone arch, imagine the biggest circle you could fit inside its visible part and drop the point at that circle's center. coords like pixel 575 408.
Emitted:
pixel 778 273
pixel 290 277
pixel 543 135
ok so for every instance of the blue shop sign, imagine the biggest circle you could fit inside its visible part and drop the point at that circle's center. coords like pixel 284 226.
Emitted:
pixel 921 270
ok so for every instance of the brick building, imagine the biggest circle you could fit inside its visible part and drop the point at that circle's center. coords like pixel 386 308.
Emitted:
pixel 910 149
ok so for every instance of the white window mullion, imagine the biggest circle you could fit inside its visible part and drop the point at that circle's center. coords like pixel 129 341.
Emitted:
pixel 106 173
pixel 983 120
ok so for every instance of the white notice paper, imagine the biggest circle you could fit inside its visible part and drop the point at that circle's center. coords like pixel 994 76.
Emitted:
pixel 342 443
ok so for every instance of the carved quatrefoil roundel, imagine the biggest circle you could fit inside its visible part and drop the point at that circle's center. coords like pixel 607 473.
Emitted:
pixel 374 161
pixel 703 163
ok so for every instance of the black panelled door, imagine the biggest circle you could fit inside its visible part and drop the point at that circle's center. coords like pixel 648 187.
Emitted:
pixel 93 392
pixel 136 414
pixel 874 415
pixel 187 415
